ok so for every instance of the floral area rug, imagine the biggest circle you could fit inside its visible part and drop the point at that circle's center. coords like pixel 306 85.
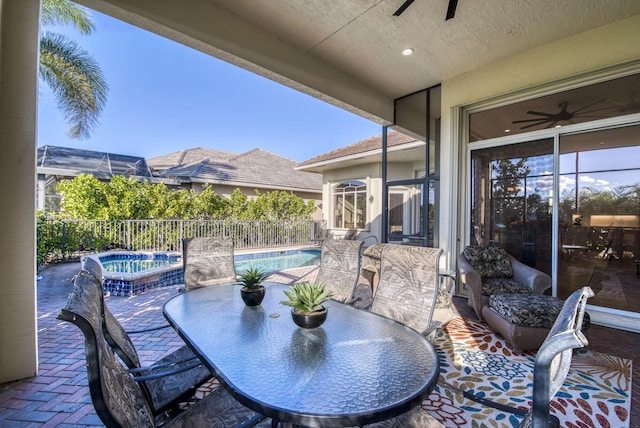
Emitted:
pixel 596 392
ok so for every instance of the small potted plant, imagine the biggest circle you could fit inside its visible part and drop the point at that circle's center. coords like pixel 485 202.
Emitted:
pixel 306 299
pixel 253 291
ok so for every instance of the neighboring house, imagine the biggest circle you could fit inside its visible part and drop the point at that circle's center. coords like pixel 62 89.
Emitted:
pixel 55 164
pixel 254 170
pixel 352 183
pixel 193 169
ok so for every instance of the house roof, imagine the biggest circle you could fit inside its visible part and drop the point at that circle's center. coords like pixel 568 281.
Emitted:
pixel 71 162
pixel 256 168
pixel 187 157
pixel 369 146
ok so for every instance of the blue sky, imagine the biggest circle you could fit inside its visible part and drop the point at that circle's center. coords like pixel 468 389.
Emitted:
pixel 164 97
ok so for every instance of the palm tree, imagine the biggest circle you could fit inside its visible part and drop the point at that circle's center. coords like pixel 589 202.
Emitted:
pixel 73 75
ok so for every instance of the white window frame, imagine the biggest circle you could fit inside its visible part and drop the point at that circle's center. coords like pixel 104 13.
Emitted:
pixel 355 193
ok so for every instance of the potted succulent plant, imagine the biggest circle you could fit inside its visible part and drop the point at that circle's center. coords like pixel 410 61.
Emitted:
pixel 306 299
pixel 253 291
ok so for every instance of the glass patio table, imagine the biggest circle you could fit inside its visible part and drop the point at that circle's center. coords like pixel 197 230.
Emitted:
pixel 357 368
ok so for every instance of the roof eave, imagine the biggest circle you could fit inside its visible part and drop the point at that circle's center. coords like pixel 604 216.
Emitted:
pixel 356 156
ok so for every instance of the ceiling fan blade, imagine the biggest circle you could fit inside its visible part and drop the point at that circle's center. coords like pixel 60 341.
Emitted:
pixel 451 9
pixel 587 106
pixel 538 119
pixel 402 8
pixel 534 124
pixel 541 113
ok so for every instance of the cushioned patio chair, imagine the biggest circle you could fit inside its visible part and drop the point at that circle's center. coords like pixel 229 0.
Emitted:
pixel 491 270
pixel 117 398
pixel 551 364
pixel 169 381
pixel 207 261
pixel 408 287
pixel 340 268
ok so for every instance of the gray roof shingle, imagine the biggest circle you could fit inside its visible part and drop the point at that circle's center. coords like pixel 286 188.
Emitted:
pixel 256 168
pixel 394 138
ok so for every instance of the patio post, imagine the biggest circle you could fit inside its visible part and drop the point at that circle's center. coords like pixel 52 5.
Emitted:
pixel 18 100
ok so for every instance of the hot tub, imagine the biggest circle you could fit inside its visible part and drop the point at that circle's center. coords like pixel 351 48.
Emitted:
pixel 126 273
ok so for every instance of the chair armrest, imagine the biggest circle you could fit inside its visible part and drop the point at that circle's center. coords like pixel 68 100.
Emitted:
pixel 171 368
pixel 468 275
pixel 536 280
pixel 431 331
pixel 471 278
pixel 147 330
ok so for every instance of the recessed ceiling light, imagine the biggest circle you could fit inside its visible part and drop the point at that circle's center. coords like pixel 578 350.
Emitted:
pixel 558 126
pixel 407 51
pixel 507 130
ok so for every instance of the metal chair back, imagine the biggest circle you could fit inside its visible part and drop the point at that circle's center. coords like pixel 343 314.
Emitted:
pixel 340 268
pixel 207 261
pixel 408 286
pixel 554 358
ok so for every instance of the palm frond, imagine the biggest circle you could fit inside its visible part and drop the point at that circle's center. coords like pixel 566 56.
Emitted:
pixel 64 12
pixel 76 80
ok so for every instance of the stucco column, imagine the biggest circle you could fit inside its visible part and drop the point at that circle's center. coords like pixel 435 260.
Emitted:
pixel 18 95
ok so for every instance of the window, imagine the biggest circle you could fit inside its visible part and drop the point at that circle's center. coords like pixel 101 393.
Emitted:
pixel 349 205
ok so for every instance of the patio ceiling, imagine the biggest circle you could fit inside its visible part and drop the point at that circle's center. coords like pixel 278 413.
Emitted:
pixel 348 52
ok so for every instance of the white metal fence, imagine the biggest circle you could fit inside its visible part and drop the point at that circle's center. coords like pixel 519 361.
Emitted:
pixel 69 239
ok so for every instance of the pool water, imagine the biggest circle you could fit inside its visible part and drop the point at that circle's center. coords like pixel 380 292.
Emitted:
pixel 136 265
pixel 276 261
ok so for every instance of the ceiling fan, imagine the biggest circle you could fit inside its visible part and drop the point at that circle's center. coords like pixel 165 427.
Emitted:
pixel 564 115
pixel 451 9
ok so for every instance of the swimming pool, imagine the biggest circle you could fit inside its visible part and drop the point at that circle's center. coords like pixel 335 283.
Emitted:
pixel 277 260
pixel 126 273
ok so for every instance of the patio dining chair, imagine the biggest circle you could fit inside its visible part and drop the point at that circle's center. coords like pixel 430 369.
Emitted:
pixel 117 398
pixel 340 268
pixel 207 261
pixel 408 286
pixel 551 364
pixel 169 381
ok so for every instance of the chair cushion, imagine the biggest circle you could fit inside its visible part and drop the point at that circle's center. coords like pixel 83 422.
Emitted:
pixel 538 311
pixel 503 286
pixel 489 262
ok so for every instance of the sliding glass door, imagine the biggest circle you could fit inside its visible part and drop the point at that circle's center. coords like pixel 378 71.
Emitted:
pixel 597 192
pixel 599 216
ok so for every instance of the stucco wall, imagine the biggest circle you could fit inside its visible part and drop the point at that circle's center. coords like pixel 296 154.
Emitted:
pixel 18 77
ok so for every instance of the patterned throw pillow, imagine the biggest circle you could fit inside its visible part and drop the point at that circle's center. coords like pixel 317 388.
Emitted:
pixel 489 262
